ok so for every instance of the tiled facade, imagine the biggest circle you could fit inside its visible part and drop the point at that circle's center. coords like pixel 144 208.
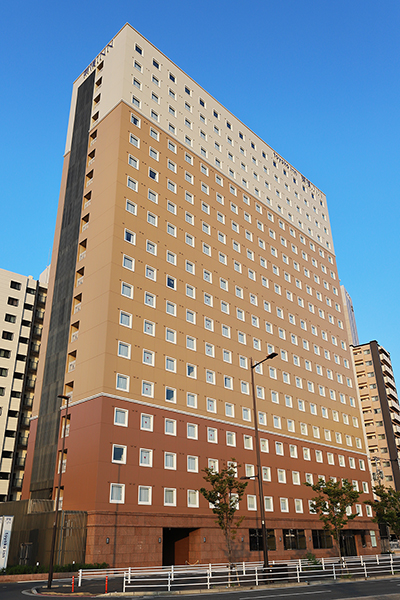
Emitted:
pixel 198 249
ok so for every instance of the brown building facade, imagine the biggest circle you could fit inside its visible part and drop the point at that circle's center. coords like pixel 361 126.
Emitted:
pixel 381 411
pixel 184 247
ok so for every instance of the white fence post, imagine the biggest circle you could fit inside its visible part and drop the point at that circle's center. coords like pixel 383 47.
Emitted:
pixel 334 572
pixel 210 569
pixel 298 573
pixel 80 578
pixel 323 563
pixel 129 575
pixel 391 563
pixel 208 580
pixel 169 582
pixel 361 560
pixel 244 568
pixel 172 572
pixel 256 576
pixel 365 570
pixel 377 559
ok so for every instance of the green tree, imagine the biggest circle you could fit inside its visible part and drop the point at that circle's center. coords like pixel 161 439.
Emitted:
pixel 386 508
pixel 224 496
pixel 331 503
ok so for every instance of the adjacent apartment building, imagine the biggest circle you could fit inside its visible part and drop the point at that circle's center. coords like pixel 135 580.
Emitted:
pixel 22 303
pixel 184 247
pixel 381 411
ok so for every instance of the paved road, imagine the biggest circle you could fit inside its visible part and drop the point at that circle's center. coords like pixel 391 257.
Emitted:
pixel 383 589
pixel 380 589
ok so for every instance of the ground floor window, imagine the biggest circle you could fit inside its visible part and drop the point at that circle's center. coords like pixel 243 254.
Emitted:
pixel 294 539
pixel 321 539
pixel 256 540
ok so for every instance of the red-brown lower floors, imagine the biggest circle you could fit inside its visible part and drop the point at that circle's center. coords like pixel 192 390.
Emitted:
pixel 132 539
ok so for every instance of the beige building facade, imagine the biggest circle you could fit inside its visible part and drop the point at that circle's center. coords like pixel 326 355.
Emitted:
pixel 184 247
pixel 22 303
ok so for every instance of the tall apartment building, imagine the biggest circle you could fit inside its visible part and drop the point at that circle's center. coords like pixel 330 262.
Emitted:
pixel 22 302
pixel 349 317
pixel 381 411
pixel 184 247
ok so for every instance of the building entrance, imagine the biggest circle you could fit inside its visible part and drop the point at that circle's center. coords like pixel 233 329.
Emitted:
pixel 348 543
pixel 176 545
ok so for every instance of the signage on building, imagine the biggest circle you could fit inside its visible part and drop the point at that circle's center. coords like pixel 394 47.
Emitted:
pixel 5 537
pixel 98 59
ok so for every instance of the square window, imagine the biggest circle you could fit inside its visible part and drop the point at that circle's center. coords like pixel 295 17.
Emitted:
pixel 118 454
pixel 122 382
pixel 230 438
pixel 191 400
pixel 124 350
pixel 169 497
pixel 148 389
pixel 117 493
pixel 193 499
pixel 121 417
pixel 170 427
pixel 144 494
pixel 192 431
pixel 145 457
pixel 146 422
pixel 125 319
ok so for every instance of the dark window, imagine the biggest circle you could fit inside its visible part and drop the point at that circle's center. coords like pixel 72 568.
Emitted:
pixel 15 394
pixel 256 541
pixel 187 90
pixel 294 539
pixel 2 391
pixel 172 77
pixel 138 49
pixel 156 64
pixel 28 306
pixel 4 353
pixel 3 372
pixel 202 103
pixel 12 301
pixel 7 335
pixel 321 539
pixel 30 291
pixel 10 318
pixel 15 285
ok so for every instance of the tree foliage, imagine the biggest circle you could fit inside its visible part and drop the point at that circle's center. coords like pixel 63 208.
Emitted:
pixel 331 503
pixel 224 496
pixel 386 508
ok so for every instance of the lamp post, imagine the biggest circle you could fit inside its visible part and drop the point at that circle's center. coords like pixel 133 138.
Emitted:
pixel 53 541
pixel 258 454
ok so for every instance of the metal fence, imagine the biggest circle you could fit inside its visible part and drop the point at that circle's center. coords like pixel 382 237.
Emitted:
pixel 208 576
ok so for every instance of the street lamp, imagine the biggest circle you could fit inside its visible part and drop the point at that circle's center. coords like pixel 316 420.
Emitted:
pixel 53 541
pixel 258 454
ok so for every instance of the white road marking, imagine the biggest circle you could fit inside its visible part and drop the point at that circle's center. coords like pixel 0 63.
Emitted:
pixel 287 595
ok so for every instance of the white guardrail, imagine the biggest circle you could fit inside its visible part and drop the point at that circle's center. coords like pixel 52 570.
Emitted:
pixel 207 576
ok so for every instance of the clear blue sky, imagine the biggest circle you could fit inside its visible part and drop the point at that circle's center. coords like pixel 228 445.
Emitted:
pixel 317 80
